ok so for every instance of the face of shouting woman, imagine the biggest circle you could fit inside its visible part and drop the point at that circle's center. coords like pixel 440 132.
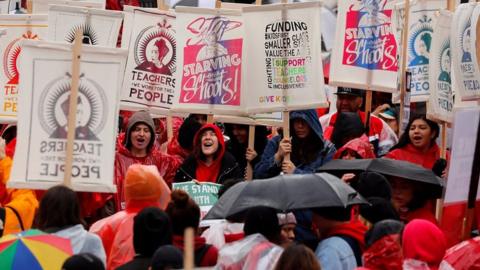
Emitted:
pixel 209 142
pixel 421 135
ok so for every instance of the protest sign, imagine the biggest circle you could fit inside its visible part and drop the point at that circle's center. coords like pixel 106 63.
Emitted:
pixel 284 66
pixel 260 119
pixel 41 6
pixel 42 120
pixel 465 128
pixel 467 84
pixel 365 51
pixel 211 53
pixel 204 194
pixel 15 28
pixel 440 103
pixel 475 45
pixel 150 75
pixel 100 27
pixel 419 44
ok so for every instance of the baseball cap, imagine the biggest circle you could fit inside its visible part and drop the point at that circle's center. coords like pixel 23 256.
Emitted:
pixel 349 91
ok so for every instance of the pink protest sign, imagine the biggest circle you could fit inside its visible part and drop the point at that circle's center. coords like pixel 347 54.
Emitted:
pixel 210 50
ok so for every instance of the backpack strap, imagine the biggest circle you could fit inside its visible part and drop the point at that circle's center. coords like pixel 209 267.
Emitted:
pixel 18 216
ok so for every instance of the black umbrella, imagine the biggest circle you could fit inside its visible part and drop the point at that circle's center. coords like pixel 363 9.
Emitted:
pixel 387 167
pixel 286 193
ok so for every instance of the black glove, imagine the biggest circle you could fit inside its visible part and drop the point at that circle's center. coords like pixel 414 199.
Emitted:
pixel 439 166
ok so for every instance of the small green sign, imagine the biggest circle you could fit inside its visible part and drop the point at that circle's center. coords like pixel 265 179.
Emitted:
pixel 204 194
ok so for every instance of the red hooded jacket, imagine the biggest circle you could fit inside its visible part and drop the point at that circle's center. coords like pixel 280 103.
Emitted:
pixel 384 254
pixel 411 154
pixel 423 241
pixel 361 146
pixel 209 257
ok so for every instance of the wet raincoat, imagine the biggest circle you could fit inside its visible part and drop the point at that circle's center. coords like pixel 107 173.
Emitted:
pixel 361 146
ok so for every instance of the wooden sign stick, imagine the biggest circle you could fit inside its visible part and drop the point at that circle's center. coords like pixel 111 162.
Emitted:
pixel 251 145
pixel 161 5
pixel 403 84
pixel 443 148
pixel 72 110
pixel 188 256
pixel 169 127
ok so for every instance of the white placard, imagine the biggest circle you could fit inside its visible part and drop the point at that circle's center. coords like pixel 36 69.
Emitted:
pixel 467 83
pixel 100 27
pixel 41 6
pixel 440 103
pixel 475 43
pixel 14 29
pixel 151 68
pixel 262 119
pixel 42 119
pixel 419 44
pixel 283 57
pixel 128 23
pixel 365 51
pixel 210 52
pixel 465 128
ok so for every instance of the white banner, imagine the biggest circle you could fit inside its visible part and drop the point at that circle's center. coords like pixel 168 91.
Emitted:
pixel 440 102
pixel 475 43
pixel 14 29
pixel 284 64
pixel 467 77
pixel 41 6
pixel 419 44
pixel 261 119
pixel 365 51
pixel 465 129
pixel 127 26
pixel 151 68
pixel 210 50
pixel 100 27
pixel 42 120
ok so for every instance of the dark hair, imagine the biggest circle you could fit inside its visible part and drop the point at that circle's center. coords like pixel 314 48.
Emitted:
pixel 83 261
pixel 299 257
pixel 197 146
pixel 263 220
pixel 151 229
pixel 405 138
pixel 381 229
pixel 59 208
pixel 187 131
pixel 305 151
pixel 183 212
pixel 348 126
pixel 334 213
pixel 167 257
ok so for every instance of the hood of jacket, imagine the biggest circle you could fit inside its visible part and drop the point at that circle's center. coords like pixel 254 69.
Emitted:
pixel 424 241
pixel 77 235
pixel 218 133
pixel 142 117
pixel 361 146
pixel 309 116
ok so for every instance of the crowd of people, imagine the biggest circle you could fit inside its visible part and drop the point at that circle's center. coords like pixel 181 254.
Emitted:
pixel 142 225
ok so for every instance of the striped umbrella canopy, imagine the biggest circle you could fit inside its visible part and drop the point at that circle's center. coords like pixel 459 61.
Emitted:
pixel 33 250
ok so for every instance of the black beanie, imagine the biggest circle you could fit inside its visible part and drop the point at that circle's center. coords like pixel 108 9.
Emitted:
pixel 379 209
pixel 151 229
pixel 187 132
pixel 262 220
pixel 83 261
pixel 347 124
pixel 381 229
pixel 371 184
pixel 167 257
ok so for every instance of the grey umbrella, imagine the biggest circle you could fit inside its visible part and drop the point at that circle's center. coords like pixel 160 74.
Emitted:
pixel 286 193
pixel 387 167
